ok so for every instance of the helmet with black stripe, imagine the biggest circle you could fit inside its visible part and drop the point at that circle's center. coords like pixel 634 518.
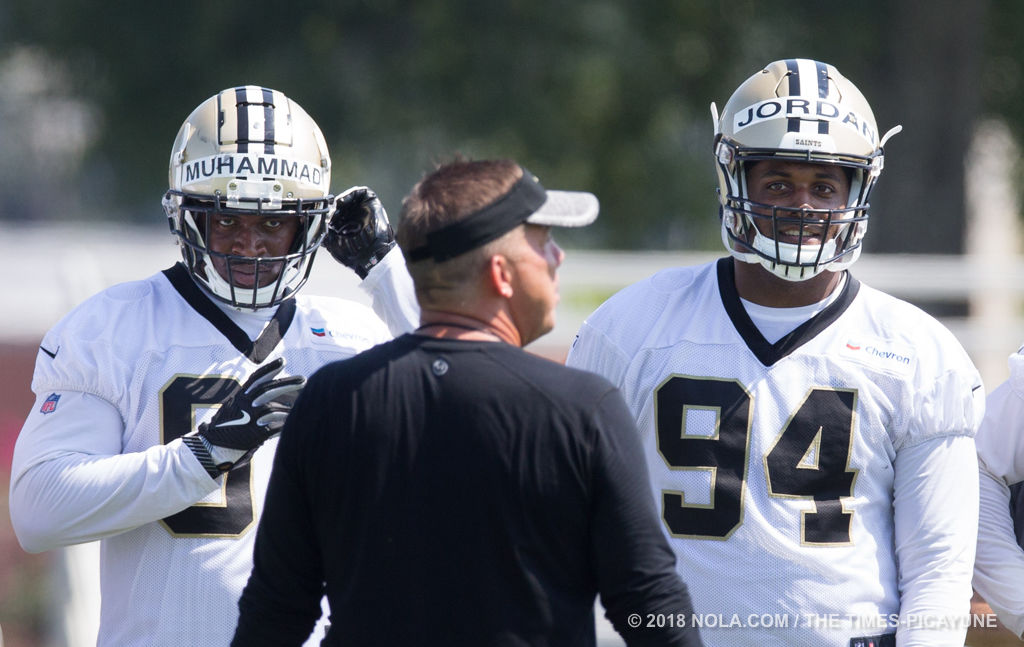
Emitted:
pixel 248 151
pixel 796 110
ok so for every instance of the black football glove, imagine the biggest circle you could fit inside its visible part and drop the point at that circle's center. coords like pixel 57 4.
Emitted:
pixel 359 234
pixel 246 419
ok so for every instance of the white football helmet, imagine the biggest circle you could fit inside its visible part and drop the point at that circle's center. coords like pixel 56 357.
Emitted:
pixel 803 111
pixel 249 151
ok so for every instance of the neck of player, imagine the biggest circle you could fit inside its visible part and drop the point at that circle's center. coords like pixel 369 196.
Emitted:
pixel 756 284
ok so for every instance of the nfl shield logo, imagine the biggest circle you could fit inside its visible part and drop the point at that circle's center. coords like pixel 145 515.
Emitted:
pixel 50 404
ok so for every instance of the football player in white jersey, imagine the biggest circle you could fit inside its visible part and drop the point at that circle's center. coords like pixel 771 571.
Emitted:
pixel 1000 561
pixel 157 400
pixel 809 438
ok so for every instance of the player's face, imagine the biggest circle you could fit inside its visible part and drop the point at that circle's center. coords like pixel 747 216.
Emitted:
pixel 251 237
pixel 797 185
pixel 535 284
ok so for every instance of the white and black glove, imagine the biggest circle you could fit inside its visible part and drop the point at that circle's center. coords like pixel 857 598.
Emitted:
pixel 359 234
pixel 246 419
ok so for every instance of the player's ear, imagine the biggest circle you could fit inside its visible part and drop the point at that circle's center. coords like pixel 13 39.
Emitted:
pixel 499 275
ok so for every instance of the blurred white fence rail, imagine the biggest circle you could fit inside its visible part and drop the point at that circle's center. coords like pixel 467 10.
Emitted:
pixel 51 269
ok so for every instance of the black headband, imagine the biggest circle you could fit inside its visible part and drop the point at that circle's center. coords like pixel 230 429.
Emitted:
pixel 503 215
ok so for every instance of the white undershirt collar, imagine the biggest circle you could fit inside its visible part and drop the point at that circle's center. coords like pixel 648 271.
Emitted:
pixel 776 323
pixel 252 322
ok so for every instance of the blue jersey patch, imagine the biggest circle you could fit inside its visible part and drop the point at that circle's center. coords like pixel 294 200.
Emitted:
pixel 50 404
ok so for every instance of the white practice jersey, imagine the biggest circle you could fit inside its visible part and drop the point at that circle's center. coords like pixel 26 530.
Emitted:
pixel 999 568
pixel 777 467
pixel 118 381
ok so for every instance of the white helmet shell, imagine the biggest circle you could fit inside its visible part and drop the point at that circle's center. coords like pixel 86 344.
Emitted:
pixel 244 151
pixel 803 111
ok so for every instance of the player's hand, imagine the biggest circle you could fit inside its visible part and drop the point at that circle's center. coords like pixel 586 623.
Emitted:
pixel 247 418
pixel 359 234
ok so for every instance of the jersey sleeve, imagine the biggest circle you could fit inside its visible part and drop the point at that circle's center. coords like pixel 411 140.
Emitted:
pixel 947 397
pixel 393 296
pixel 80 354
pixel 935 493
pixel 614 334
pixel 999 565
pixel 935 487
pixel 594 351
pixel 70 484
pixel 1000 437
pixel 70 481
pixel 633 563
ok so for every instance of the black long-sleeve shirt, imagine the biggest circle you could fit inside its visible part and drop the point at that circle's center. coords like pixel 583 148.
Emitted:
pixel 460 493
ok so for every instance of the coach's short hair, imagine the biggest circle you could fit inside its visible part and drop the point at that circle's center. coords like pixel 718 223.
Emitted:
pixel 453 191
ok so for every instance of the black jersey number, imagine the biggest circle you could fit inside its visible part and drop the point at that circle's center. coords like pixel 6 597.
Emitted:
pixel 235 515
pixel 809 460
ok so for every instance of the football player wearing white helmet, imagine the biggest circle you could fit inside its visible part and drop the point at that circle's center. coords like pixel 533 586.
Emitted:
pixel 809 439
pixel 159 400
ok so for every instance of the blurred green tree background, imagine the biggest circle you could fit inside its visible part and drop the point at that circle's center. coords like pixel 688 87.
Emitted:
pixel 605 95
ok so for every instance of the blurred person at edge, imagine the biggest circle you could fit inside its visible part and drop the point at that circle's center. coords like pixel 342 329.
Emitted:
pixel 157 400
pixel 999 565
pixel 810 439
pixel 451 488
